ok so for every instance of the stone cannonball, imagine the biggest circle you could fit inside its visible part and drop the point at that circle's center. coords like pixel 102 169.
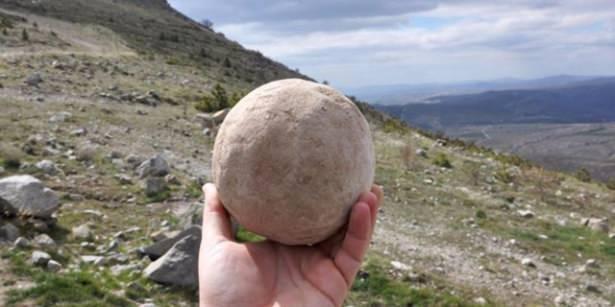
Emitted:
pixel 291 159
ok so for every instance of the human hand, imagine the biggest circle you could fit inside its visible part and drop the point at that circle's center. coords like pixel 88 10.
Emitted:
pixel 271 274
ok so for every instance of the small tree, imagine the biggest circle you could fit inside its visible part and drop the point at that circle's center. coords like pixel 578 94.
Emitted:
pixel 207 23
pixel 583 175
pixel 220 97
pixel 24 35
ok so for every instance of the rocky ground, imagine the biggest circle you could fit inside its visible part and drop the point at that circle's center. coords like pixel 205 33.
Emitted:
pixel 118 141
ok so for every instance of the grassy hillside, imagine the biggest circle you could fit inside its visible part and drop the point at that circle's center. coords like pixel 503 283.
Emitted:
pixel 454 229
pixel 153 28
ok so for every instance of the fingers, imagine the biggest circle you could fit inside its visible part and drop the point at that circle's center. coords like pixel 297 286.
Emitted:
pixel 348 258
pixel 216 221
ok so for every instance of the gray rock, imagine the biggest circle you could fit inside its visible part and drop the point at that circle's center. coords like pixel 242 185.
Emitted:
pixel 40 258
pixel 45 241
pixel 2 171
pixel 34 79
pixel 91 259
pixel 159 248
pixel 598 224
pixel 154 186
pixel 179 266
pixel 121 268
pixel 53 266
pixel 421 152
pixel 528 262
pixel 82 232
pixel 26 195
pixel 60 117
pixel 22 242
pixel 79 132
pixel 9 232
pixel 155 166
pixel 47 166
pixel 87 152
pixel 134 160
pixel 526 213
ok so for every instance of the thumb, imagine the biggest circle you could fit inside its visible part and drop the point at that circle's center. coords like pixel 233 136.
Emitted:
pixel 216 221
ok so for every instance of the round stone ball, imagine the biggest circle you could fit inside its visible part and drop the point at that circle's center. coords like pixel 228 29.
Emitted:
pixel 291 159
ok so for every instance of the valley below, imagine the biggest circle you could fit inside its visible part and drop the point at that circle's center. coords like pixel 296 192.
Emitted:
pixel 565 147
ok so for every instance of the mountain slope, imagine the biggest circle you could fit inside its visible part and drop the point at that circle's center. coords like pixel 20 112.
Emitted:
pixel 152 27
pixel 585 102
pixel 454 229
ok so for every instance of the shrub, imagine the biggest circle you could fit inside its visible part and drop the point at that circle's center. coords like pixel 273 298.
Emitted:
pixel 583 175
pixel 24 35
pixel 11 156
pixel 480 214
pixel 207 105
pixel 611 184
pixel 442 160
pixel 504 176
pixel 217 100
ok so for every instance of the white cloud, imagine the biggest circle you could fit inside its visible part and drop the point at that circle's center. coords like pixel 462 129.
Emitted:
pixel 376 42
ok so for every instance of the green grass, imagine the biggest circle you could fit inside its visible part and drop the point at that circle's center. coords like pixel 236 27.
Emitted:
pixel 244 235
pixel 442 160
pixel 564 242
pixel 75 288
pixel 380 289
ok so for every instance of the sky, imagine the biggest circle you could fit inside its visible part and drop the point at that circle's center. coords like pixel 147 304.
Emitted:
pixel 355 43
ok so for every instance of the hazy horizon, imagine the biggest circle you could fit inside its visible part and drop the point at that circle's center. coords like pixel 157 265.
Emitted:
pixel 364 43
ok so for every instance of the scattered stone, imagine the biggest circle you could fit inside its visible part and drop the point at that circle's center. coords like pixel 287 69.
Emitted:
pixel 123 179
pixel 79 132
pixel 421 153
pixel 53 266
pixel 612 236
pixel 543 237
pixel 40 258
pixel 22 242
pixel 480 301
pixel 592 263
pixel 598 224
pixel 94 213
pixel 592 288
pixel 155 166
pixel 87 153
pixel 95 260
pixel 179 266
pixel 9 232
pixel 400 266
pixel 154 186
pixel 2 171
pixel 121 268
pixel 44 241
pixel 117 258
pixel 60 117
pixel 34 80
pixel 88 245
pixel 25 195
pixel 171 179
pixel 82 232
pixel 528 262
pixel 560 301
pixel 48 167
pixel 159 248
pixel 526 214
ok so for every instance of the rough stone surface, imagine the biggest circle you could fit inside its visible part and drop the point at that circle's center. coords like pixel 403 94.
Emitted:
pixel 155 166
pixel 154 186
pixel 43 240
pixel 82 232
pixel 40 258
pixel 26 195
pixel 159 248
pixel 309 144
pixel 598 224
pixel 53 266
pixel 179 266
pixel 47 166
pixel 22 242
pixel 9 232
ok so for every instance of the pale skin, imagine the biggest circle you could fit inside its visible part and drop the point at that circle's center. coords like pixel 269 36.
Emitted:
pixel 272 274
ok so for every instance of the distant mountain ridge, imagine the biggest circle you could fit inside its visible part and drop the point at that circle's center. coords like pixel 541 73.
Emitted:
pixel 400 94
pixel 585 101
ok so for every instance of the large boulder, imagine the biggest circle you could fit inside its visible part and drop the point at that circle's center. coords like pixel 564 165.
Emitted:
pixel 159 248
pixel 179 266
pixel 155 166
pixel 26 195
pixel 9 232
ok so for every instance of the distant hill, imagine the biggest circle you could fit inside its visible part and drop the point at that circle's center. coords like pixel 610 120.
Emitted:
pixel 400 94
pixel 153 27
pixel 587 101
